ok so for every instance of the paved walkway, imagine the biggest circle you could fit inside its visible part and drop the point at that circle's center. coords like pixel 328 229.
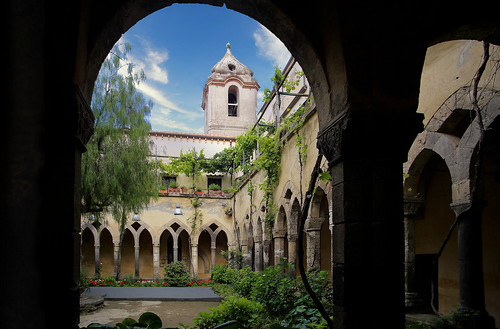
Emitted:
pixel 154 293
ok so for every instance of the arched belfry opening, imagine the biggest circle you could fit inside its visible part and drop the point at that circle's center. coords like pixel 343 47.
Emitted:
pixel 232 101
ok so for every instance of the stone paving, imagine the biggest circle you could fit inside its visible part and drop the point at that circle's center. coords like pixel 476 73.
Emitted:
pixel 171 313
pixel 109 305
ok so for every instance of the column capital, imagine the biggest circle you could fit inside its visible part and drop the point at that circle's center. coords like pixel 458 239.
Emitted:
pixel 461 207
pixel 279 232
pixel 413 207
pixel 313 223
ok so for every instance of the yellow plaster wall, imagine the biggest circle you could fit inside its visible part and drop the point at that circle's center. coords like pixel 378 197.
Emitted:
pixel 449 66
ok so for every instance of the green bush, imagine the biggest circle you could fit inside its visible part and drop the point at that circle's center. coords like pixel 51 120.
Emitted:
pixel 177 274
pixel 275 290
pixel 304 313
pixel 224 274
pixel 225 291
pixel 245 311
pixel 246 282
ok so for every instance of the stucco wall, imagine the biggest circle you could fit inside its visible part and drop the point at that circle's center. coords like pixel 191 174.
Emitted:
pixel 449 66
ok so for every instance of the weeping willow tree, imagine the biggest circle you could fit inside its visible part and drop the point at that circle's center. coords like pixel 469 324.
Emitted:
pixel 118 176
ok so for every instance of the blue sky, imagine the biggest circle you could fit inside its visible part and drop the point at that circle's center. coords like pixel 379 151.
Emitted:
pixel 177 47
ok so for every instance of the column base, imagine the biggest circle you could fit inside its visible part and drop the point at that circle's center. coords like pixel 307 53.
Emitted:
pixel 413 302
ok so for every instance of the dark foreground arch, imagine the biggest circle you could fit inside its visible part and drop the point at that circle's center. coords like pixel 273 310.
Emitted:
pixel 363 62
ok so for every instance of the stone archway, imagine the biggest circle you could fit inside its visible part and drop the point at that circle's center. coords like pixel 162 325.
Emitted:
pixel 87 258
pixel 280 237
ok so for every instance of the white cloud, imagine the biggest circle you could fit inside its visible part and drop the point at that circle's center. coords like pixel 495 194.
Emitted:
pixel 161 119
pixel 153 69
pixel 159 99
pixel 151 61
pixel 270 47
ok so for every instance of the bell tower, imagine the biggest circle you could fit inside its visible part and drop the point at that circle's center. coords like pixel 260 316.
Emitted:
pixel 229 97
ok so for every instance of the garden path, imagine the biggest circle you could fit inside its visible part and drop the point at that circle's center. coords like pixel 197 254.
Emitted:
pixel 171 313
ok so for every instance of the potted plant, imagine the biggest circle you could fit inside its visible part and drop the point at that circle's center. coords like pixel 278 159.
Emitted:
pixel 214 189
pixel 173 187
pixel 199 191
pixel 184 189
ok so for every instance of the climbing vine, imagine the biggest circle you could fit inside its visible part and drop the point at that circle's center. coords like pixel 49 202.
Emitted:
pixel 255 150
pixel 197 214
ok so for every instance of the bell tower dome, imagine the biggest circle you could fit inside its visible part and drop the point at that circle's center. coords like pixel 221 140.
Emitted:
pixel 229 97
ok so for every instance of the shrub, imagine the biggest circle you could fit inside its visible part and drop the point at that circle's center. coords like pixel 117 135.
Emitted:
pixel 224 274
pixel 214 187
pixel 177 274
pixel 225 291
pixel 246 282
pixel 304 313
pixel 245 311
pixel 275 290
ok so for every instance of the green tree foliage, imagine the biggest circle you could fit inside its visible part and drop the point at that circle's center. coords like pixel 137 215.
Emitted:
pixel 117 174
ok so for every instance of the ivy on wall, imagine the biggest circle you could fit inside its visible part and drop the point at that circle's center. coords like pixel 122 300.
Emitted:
pixel 253 151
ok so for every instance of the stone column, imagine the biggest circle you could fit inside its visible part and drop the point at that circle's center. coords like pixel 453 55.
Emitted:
pixel 176 249
pixel 213 249
pixel 413 209
pixel 279 244
pixel 136 259
pixel 313 236
pixel 470 264
pixel 258 254
pixel 194 258
pixel 97 260
pixel 292 254
pixel 366 150
pixel 156 261
pixel 266 253
pixel 244 251
pixel 116 258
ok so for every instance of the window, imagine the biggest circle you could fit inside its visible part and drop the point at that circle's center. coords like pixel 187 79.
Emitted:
pixel 232 101
pixel 167 180
pixel 214 180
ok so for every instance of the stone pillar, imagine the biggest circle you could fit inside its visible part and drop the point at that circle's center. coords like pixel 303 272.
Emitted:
pixel 279 244
pixel 292 254
pixel 413 209
pixel 470 264
pixel 176 250
pixel 156 261
pixel 213 249
pixel 116 258
pixel 136 261
pixel 97 260
pixel 313 236
pixel 244 251
pixel 258 254
pixel 194 258
pixel 266 253
pixel 366 150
